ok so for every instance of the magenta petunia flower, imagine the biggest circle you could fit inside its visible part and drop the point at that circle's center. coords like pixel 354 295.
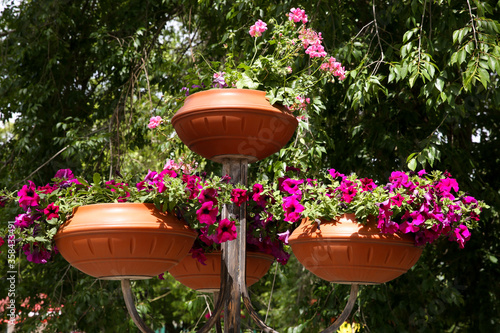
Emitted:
pixel 367 184
pixel 293 208
pixel 155 122
pixel 421 173
pixel 335 174
pixel 208 194
pixel 397 200
pixel 207 214
pixel 226 231
pixel 64 174
pixel 291 186
pixel 52 211
pixel 193 185
pixel 407 227
pixel 28 196
pixel 460 235
pixel 239 196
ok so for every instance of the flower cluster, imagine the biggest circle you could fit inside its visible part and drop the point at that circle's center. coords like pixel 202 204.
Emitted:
pixel 429 206
pixel 289 62
pixel 199 201
pixel 425 205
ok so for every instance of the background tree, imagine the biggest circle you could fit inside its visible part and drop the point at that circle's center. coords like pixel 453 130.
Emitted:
pixel 79 81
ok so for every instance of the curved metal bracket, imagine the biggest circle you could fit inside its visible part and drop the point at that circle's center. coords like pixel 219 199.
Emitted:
pixel 129 302
pixel 253 314
pixel 347 310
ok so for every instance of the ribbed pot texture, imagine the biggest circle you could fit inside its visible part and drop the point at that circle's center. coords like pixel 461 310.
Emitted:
pixel 206 278
pixel 123 240
pixel 233 123
pixel 343 251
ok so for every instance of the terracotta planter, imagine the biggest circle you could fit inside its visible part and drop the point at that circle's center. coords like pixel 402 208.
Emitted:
pixel 344 251
pixel 233 123
pixel 206 278
pixel 123 240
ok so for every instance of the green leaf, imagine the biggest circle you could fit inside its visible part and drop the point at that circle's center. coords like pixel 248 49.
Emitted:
pixel 97 178
pixel 484 77
pixel 412 165
pixel 439 84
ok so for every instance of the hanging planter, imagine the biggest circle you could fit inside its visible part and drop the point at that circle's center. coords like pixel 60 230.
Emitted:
pixel 343 251
pixel 233 123
pixel 206 278
pixel 123 240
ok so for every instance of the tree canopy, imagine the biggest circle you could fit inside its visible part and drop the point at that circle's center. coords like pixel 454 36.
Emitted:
pixel 79 81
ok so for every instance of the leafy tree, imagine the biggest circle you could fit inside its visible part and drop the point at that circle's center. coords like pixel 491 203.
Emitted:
pixel 79 81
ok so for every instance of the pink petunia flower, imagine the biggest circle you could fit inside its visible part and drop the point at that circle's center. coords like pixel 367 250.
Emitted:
pixel 460 235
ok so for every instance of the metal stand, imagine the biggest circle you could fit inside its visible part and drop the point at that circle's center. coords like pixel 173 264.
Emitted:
pixel 233 287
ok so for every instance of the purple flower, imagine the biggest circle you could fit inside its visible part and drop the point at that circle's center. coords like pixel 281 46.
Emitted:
pixel 23 221
pixel 38 255
pixel 422 172
pixel 218 80
pixel 399 179
pixel 199 255
pixel 284 236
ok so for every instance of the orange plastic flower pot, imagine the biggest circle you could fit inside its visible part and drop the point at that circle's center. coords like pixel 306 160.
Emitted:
pixel 206 278
pixel 123 240
pixel 233 123
pixel 343 251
